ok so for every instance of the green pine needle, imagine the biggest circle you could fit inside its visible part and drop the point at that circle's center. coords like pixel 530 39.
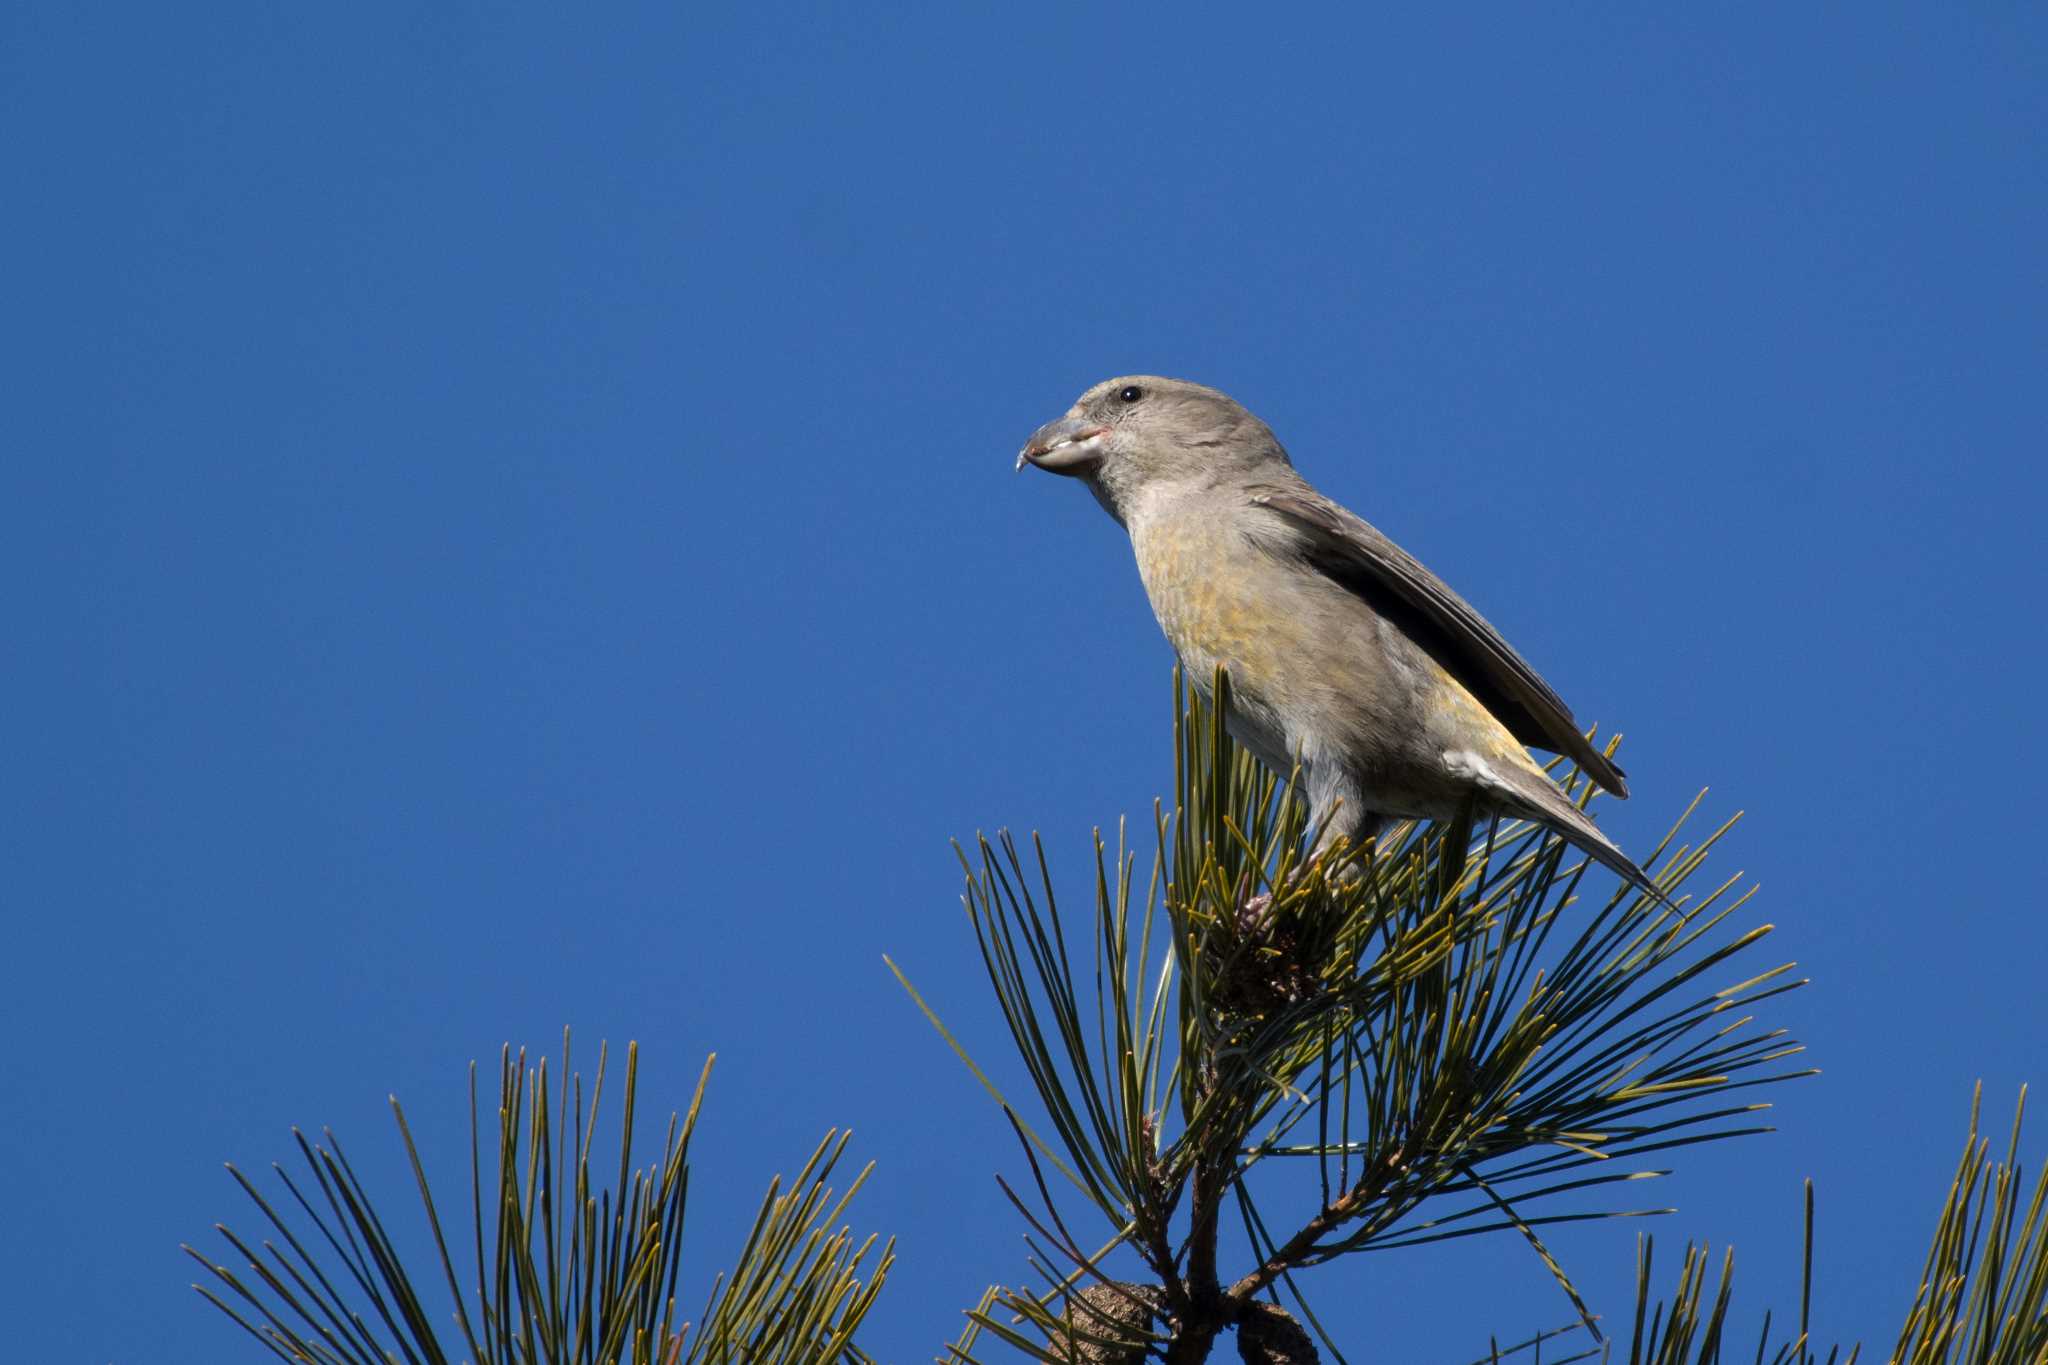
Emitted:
pixel 1494 1059
pixel 562 1272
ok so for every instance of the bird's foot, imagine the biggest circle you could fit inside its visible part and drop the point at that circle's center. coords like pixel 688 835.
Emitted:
pixel 1272 965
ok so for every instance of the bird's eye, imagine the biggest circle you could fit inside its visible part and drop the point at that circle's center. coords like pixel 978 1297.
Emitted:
pixel 1130 393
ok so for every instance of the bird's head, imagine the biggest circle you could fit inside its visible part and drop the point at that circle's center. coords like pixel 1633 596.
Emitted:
pixel 1139 434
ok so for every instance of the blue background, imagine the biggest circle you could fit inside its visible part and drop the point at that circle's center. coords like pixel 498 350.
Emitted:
pixel 507 522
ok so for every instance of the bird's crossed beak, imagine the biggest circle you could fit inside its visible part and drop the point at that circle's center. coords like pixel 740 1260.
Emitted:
pixel 1067 446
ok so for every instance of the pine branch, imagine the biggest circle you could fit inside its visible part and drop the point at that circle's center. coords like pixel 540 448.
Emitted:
pixel 565 1272
pixel 1427 1022
pixel 1299 1248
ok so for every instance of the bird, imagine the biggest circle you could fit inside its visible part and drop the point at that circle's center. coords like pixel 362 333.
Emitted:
pixel 1344 654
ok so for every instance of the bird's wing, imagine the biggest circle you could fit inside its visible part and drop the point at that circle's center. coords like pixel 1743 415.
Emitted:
pixel 1351 551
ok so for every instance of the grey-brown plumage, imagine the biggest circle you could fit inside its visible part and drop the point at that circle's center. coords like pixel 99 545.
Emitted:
pixel 1397 697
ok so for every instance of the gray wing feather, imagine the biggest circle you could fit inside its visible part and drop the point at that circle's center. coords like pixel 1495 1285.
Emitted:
pixel 1354 553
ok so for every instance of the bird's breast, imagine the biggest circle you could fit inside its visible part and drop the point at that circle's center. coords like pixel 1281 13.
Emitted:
pixel 1220 600
pixel 1316 671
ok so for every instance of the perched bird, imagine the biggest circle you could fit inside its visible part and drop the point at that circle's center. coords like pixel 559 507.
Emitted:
pixel 1396 697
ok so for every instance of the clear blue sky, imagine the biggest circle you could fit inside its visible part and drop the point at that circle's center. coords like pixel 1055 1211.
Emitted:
pixel 508 522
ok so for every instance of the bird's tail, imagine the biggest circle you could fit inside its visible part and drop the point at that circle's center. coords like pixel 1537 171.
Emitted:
pixel 1533 796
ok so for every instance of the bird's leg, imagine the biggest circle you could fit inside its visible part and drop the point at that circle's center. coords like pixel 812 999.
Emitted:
pixel 1453 845
pixel 1278 962
pixel 1338 816
pixel 1338 810
pixel 1361 836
